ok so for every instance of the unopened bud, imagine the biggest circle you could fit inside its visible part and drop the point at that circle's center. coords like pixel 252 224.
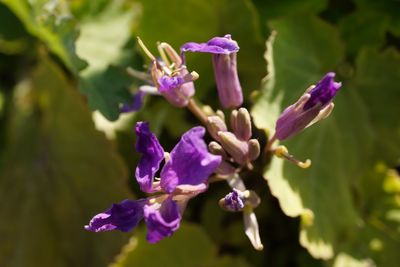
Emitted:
pixel 243 125
pixel 208 110
pixel 214 125
pixel 254 149
pixel 314 105
pixel 217 149
pixel 220 114
pixel 234 114
pixel 236 148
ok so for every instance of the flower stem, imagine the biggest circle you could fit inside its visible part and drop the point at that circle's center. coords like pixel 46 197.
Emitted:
pixel 196 110
pixel 271 141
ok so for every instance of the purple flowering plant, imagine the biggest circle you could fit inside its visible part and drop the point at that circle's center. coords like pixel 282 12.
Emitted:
pixel 193 165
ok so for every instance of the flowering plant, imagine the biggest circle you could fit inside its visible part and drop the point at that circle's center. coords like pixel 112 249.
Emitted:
pixel 188 168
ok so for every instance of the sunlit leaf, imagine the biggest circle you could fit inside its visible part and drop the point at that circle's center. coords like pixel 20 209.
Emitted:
pixel 52 23
pixel 102 46
pixel 304 50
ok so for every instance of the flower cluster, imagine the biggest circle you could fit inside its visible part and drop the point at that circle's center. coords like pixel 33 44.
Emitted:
pixel 183 176
pixel 186 169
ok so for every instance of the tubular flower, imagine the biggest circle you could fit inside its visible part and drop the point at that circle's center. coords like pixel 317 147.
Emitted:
pixel 314 105
pixel 224 51
pixel 183 176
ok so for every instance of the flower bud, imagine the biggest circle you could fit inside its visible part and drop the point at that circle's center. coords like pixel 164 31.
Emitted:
pixel 314 105
pixel 254 149
pixel 227 79
pixel 214 125
pixel 217 149
pixel 241 124
pixel 236 148
pixel 224 51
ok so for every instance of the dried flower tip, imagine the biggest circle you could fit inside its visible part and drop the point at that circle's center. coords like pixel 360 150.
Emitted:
pixel 282 152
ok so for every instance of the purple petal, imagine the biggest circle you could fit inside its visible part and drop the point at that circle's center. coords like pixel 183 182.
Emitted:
pixel 178 90
pixel 292 121
pixel 162 221
pixel 216 45
pixel 169 83
pixel 190 162
pixel 136 104
pixel 152 154
pixel 123 216
pixel 228 84
pixel 233 201
pixel 323 92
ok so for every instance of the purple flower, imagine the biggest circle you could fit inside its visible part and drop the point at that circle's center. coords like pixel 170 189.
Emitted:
pixel 314 105
pixel 323 92
pixel 233 201
pixel 178 89
pixel 182 177
pixel 123 216
pixel 224 51
pixel 162 221
pixel 152 154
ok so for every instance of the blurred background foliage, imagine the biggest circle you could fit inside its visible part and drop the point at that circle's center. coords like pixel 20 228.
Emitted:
pixel 67 153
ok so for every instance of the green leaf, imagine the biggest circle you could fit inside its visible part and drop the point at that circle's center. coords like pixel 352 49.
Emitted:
pixel 305 49
pixel 386 8
pixel 345 260
pixel 272 9
pixel 189 246
pixel 363 28
pixel 101 45
pixel 57 172
pixel 377 78
pixel 376 239
pixel 13 37
pixel 53 25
